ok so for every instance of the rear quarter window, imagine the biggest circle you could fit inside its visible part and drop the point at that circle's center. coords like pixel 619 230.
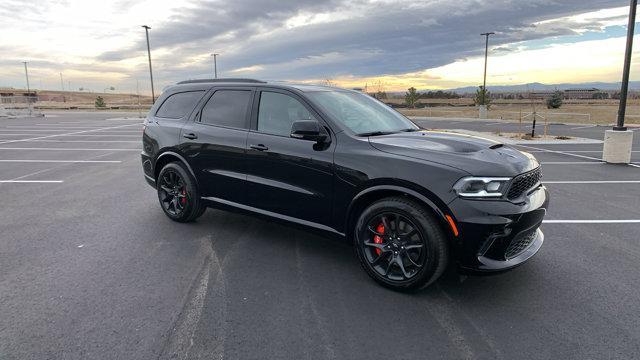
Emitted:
pixel 178 105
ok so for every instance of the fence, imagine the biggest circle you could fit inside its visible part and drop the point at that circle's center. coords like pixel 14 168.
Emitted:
pixel 18 106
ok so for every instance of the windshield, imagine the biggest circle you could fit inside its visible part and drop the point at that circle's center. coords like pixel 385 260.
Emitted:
pixel 361 113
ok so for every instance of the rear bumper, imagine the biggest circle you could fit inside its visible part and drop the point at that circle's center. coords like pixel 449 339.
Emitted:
pixel 147 169
pixel 497 236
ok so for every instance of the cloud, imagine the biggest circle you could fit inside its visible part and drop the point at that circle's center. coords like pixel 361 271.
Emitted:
pixel 293 39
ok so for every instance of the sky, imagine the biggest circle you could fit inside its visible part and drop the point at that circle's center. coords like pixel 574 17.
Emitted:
pixel 381 44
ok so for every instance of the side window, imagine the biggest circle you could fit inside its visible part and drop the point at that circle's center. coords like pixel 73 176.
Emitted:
pixel 178 105
pixel 227 108
pixel 278 111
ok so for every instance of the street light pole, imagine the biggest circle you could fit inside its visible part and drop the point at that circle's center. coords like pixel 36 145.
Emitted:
pixel 619 141
pixel 26 73
pixel 486 57
pixel 153 95
pixel 627 65
pixel 215 65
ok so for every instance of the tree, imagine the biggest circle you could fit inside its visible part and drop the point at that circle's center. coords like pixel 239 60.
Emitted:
pixel 100 102
pixel 555 101
pixel 411 97
pixel 483 97
pixel 381 95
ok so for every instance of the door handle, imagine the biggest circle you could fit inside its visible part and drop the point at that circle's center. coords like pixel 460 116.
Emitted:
pixel 259 147
pixel 190 136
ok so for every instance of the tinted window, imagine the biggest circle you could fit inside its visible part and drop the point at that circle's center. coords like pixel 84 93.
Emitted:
pixel 278 111
pixel 227 108
pixel 179 105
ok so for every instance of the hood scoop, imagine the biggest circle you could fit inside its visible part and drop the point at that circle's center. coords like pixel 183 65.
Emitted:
pixel 496 146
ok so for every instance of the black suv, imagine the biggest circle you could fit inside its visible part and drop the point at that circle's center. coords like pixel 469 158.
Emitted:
pixel 342 162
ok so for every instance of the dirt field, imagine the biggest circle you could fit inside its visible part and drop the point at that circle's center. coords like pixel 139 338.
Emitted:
pixel 572 111
pixel 48 99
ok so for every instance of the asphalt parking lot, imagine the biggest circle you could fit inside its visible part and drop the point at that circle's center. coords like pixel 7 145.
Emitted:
pixel 90 268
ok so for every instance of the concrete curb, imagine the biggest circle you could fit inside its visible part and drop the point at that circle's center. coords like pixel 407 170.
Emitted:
pixel 437 118
pixel 509 141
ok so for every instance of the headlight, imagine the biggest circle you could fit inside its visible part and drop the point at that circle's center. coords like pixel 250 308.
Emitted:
pixel 481 187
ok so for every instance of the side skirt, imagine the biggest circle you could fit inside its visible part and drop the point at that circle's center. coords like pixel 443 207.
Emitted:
pixel 273 215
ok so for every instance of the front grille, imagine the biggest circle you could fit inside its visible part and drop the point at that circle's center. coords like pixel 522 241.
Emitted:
pixel 523 183
pixel 519 244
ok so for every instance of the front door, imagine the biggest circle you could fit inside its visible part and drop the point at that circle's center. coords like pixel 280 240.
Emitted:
pixel 287 176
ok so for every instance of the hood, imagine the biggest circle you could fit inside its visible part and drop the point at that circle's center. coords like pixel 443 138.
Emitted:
pixel 475 155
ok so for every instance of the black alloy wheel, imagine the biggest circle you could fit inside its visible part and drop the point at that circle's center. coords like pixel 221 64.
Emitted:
pixel 178 193
pixel 400 244
pixel 173 192
pixel 395 248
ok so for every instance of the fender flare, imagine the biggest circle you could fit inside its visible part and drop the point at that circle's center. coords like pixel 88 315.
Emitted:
pixel 180 157
pixel 440 212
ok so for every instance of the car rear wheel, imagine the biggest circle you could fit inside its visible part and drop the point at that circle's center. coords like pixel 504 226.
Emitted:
pixel 400 244
pixel 178 193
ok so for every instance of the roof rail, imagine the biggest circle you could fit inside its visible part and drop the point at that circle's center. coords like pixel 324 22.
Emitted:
pixel 234 80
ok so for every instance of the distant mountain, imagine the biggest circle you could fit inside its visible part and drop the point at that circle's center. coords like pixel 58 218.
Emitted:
pixel 633 85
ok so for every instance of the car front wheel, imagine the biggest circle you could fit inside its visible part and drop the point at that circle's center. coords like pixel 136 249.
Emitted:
pixel 400 244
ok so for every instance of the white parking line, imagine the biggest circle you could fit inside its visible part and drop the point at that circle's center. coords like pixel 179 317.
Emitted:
pixel 32 181
pixel 594 182
pixel 56 167
pixel 87 141
pixel 60 161
pixel 113 135
pixel 124 119
pixel 55 126
pixel 583 127
pixel 573 163
pixel 65 149
pixel 576 151
pixel 48 130
pixel 497 123
pixel 590 221
pixel 560 152
pixel 64 135
pixel 67 134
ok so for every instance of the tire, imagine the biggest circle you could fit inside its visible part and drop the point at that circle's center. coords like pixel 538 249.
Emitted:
pixel 178 193
pixel 400 244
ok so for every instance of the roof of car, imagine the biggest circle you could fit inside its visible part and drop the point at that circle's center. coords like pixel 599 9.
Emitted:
pixel 254 82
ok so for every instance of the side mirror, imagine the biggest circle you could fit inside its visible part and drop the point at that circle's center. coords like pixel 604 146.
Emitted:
pixel 308 130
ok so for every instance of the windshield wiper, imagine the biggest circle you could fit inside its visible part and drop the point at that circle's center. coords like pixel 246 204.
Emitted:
pixel 409 130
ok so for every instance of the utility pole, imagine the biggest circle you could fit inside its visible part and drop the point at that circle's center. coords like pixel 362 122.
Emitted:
pixel 486 57
pixel 627 65
pixel 61 83
pixel 619 141
pixel 153 95
pixel 26 73
pixel 215 65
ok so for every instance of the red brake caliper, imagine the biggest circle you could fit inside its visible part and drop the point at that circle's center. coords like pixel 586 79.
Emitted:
pixel 377 239
pixel 183 200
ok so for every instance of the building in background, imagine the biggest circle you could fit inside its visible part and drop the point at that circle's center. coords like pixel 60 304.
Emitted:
pixel 576 94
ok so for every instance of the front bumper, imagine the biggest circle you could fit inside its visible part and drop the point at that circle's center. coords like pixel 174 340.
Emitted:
pixel 498 235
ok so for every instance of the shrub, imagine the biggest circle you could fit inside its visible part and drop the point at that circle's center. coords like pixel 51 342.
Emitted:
pixel 100 102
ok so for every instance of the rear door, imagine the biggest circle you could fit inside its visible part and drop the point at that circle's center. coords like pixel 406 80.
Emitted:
pixel 215 143
pixel 288 176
